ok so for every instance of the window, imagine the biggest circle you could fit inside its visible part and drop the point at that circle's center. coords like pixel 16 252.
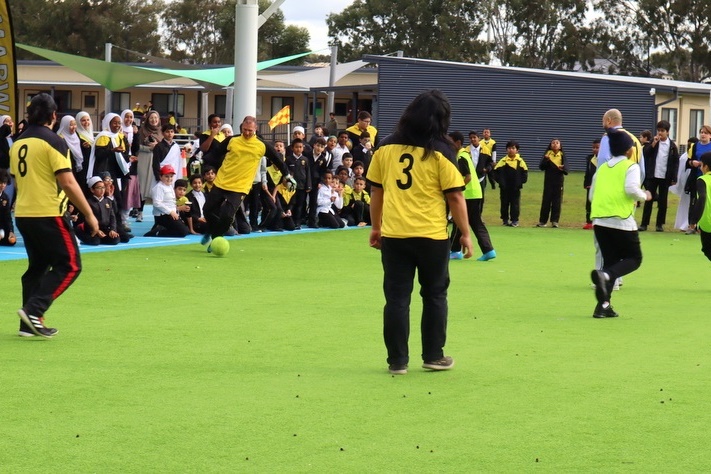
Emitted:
pixel 221 105
pixel 341 109
pixel 165 103
pixel 696 121
pixel 279 103
pixel 63 99
pixel 318 111
pixel 120 101
pixel 670 115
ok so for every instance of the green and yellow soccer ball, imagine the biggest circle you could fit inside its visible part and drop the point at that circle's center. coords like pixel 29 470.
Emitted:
pixel 220 246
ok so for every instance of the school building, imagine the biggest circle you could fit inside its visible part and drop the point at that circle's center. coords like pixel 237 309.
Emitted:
pixel 533 106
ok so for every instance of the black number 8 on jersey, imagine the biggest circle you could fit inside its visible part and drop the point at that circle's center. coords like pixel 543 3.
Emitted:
pixel 22 165
pixel 408 161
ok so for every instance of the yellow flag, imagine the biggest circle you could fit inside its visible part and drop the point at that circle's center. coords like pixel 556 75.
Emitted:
pixel 282 117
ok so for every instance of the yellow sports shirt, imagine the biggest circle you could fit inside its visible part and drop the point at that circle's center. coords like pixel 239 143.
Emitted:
pixel 241 162
pixel 411 182
pixel 35 159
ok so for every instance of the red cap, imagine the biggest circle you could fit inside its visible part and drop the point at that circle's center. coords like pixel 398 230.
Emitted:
pixel 166 169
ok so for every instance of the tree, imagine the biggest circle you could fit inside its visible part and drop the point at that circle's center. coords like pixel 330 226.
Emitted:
pixel 204 32
pixel 435 29
pixel 82 27
pixel 679 28
pixel 545 34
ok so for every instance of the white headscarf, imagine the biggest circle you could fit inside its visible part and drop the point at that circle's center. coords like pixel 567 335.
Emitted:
pixel 227 127
pixel 72 140
pixel 127 129
pixel 115 141
pixel 2 122
pixel 87 134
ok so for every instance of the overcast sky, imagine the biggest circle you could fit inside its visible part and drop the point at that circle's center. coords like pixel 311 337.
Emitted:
pixel 311 14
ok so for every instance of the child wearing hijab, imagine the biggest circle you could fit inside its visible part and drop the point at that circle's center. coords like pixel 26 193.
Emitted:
pixel 68 131
pixel 85 130
pixel 132 193
pixel 110 154
pixel 227 130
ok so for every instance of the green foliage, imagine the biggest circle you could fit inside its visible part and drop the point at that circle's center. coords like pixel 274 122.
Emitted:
pixel 185 30
pixel 680 29
pixel 440 29
pixel 82 27
pixel 204 33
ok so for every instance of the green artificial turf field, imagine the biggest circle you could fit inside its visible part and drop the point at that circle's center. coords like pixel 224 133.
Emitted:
pixel 271 360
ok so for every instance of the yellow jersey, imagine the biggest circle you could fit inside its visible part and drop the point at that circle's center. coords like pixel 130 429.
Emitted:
pixel 36 157
pixel 413 188
pixel 242 158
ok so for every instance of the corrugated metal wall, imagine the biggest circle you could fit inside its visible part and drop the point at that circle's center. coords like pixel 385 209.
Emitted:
pixel 531 108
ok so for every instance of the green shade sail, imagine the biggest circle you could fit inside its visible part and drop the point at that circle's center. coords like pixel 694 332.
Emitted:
pixel 116 76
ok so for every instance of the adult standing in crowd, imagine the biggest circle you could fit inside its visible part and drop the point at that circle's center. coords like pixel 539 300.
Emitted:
pixel 40 162
pixel 149 136
pixel 662 164
pixel 363 125
pixel 67 131
pixel 413 177
pixel 693 164
pixel 332 125
pixel 85 131
pixel 132 193
pixel 210 142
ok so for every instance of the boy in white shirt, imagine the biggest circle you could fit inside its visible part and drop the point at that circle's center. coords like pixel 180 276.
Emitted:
pixel 165 209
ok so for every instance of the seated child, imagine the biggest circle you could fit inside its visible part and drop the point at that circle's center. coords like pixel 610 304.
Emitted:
pixel 358 172
pixel 165 210
pixel 123 231
pixel 103 210
pixel 329 197
pixel 196 219
pixel 343 178
pixel 208 178
pixel 7 231
pixel 347 164
pixel 182 202
pixel 356 205
pixel 284 200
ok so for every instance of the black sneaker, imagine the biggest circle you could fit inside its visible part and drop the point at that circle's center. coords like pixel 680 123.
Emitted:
pixel 153 232
pixel 397 369
pixel 660 228
pixel 601 312
pixel 642 228
pixel 445 363
pixel 598 278
pixel 36 325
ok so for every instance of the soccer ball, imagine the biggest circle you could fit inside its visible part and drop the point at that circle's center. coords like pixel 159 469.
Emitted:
pixel 220 246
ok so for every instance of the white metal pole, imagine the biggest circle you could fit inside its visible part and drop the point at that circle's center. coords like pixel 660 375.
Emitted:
pixel 107 92
pixel 245 86
pixel 331 103
pixel 229 113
